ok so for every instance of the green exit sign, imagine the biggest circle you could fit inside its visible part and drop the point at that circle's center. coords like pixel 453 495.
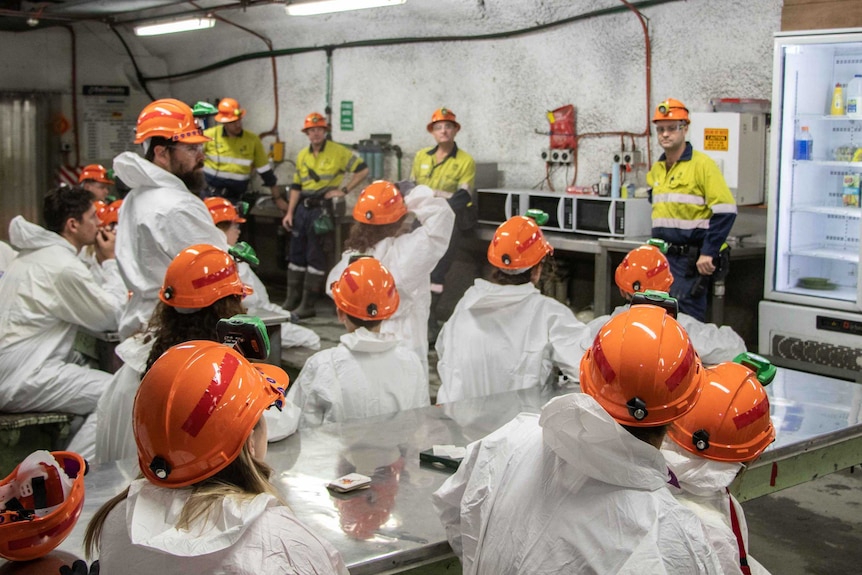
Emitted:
pixel 347 115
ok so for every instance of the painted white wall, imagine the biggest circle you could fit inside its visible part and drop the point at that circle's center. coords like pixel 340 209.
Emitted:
pixel 500 89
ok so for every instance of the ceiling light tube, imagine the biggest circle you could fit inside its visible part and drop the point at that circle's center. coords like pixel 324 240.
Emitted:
pixel 174 26
pixel 313 7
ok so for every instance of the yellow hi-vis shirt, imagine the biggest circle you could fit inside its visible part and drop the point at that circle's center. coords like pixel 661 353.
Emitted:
pixel 229 160
pixel 456 171
pixel 326 170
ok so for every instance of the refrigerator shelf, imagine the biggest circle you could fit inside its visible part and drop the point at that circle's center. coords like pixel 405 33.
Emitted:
pixel 838 292
pixel 844 211
pixel 825 253
pixel 828 117
pixel 828 163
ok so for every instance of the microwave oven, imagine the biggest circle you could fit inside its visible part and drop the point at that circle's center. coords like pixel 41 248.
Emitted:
pixel 613 217
pixel 495 206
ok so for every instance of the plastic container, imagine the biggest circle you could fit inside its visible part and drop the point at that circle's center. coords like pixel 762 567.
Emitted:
pixel 853 97
pixel 837 107
pixel 615 180
pixel 803 145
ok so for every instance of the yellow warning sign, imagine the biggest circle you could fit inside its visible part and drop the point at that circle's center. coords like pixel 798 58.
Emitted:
pixel 715 139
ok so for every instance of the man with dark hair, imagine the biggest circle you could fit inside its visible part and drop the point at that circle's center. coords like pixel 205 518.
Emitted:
pixel 160 217
pixel 45 296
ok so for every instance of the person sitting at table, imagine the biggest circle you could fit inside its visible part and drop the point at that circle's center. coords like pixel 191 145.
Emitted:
pixel 369 373
pixel 229 220
pixel 580 488
pixel 200 287
pixel 504 334
pixel 46 295
pixel 709 446
pixel 380 230
pixel 647 268
pixel 205 503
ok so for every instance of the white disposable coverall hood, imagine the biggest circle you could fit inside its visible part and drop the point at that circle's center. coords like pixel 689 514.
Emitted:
pixel 712 343
pixel 568 492
pixel 242 537
pixel 158 219
pixel 367 374
pixel 46 294
pixel 503 338
pixel 410 258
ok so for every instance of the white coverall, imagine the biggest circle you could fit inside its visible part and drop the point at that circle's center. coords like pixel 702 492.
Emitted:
pixel 712 343
pixel 410 258
pixel 367 374
pixel 160 218
pixel 7 254
pixel 570 492
pixel 504 338
pixel 255 536
pixel 45 295
pixel 702 488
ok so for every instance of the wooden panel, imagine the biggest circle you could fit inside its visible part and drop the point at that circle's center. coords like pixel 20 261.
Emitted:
pixel 821 14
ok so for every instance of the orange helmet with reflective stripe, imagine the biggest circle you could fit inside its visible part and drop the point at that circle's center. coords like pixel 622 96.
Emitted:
pixel 109 214
pixel 644 268
pixel 229 111
pixel 315 120
pixel 95 172
pixel 366 290
pixel 200 276
pixel 518 245
pixel 169 119
pixel 731 419
pixel 222 210
pixel 442 115
pixel 380 203
pixel 196 407
pixel 642 368
pixel 49 490
pixel 671 109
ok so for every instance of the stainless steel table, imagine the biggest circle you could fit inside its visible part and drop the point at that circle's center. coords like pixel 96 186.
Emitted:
pixel 392 527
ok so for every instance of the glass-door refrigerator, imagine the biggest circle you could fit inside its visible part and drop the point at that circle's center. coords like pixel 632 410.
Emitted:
pixel 811 317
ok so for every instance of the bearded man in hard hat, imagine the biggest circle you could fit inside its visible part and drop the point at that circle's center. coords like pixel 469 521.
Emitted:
pixel 231 155
pixel 162 214
pixel 692 209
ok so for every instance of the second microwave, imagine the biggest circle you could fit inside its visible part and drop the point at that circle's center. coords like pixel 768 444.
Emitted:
pixel 614 217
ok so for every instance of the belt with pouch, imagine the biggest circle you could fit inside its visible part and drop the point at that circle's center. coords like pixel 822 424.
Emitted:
pixel 312 201
pixel 681 249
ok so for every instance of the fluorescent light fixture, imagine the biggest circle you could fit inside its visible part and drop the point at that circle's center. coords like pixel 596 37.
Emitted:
pixel 174 26
pixel 312 7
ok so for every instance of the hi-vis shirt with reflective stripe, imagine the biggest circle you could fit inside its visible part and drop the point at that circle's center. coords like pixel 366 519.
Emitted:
pixel 691 203
pixel 230 160
pixel 456 171
pixel 326 170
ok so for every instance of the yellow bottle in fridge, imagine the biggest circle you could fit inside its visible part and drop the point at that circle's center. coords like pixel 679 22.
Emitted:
pixel 837 108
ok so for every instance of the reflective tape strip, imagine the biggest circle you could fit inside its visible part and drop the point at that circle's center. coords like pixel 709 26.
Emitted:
pixel 214 277
pixel 212 395
pixel 226 175
pixel 351 282
pixel 523 246
pixel 263 169
pixel 217 159
pixel 682 370
pixel 601 360
pixel 678 199
pixel 680 224
pixel 724 209
pixel 752 415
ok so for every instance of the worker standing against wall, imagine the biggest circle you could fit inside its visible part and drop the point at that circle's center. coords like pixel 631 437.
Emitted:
pixel 231 155
pixel 451 173
pixel 321 171
pixel 692 209
pixel 162 214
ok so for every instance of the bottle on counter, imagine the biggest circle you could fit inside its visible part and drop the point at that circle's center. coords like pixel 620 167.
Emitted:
pixel 854 97
pixel 837 107
pixel 803 145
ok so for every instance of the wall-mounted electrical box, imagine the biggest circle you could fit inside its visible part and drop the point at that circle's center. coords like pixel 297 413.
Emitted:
pixel 558 156
pixel 737 143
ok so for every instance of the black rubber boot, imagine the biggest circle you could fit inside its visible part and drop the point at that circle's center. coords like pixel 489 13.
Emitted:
pixel 294 289
pixel 313 287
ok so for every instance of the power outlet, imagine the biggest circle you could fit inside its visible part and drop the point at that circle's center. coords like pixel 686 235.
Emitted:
pixel 628 157
pixel 558 155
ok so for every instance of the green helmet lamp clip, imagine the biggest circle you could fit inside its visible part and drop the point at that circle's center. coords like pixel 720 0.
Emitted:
pixel 657 298
pixel 538 215
pixel 243 252
pixel 762 367
pixel 657 243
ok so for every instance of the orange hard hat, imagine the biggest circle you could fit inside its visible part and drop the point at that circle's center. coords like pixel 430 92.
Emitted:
pixel 314 120
pixel 169 119
pixel 670 109
pixel 95 172
pixel 518 245
pixel 223 211
pixel 642 368
pixel 442 115
pixel 644 268
pixel 109 214
pixel 366 290
pixel 48 489
pixel 196 407
pixel 379 203
pixel 731 419
pixel 229 111
pixel 200 276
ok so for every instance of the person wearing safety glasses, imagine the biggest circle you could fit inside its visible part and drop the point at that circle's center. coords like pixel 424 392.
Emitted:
pixel 692 209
